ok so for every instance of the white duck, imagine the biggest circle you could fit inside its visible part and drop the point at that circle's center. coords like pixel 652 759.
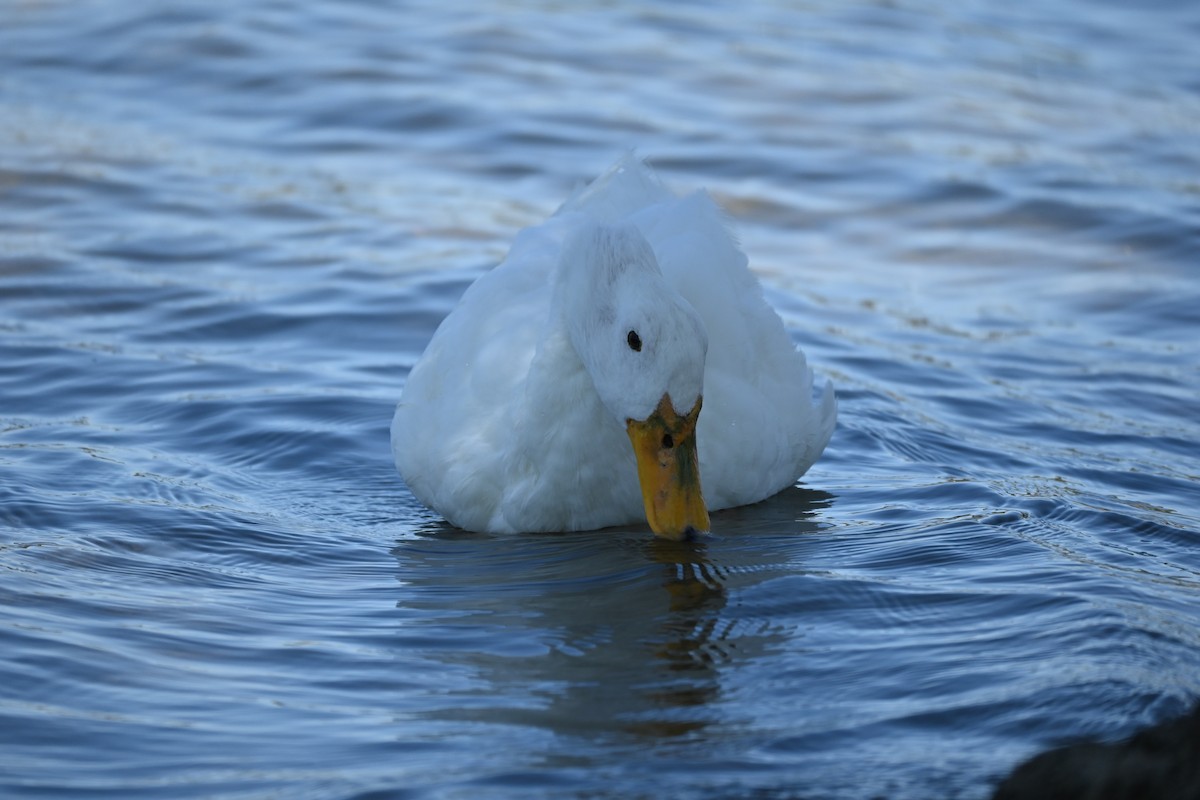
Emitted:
pixel 603 328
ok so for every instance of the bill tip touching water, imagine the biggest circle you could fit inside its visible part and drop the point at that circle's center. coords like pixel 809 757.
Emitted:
pixel 565 391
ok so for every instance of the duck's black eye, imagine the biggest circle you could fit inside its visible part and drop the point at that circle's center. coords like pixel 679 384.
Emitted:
pixel 635 341
pixel 667 442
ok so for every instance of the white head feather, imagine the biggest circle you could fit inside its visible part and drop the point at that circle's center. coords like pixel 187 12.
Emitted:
pixel 636 336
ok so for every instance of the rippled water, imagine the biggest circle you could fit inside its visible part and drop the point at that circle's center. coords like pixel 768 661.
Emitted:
pixel 227 231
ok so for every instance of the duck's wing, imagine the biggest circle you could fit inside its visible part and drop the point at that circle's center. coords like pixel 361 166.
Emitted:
pixel 453 425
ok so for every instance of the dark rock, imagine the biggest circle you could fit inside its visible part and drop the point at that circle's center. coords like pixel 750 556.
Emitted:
pixel 1158 763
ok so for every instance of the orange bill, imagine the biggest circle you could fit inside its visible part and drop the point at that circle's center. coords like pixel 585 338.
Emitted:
pixel 669 470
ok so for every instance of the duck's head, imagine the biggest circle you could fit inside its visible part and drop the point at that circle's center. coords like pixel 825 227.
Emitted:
pixel 644 347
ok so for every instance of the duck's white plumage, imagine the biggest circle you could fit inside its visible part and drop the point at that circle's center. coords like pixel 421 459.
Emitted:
pixel 514 417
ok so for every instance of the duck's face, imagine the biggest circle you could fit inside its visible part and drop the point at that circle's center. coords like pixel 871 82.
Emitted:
pixel 644 347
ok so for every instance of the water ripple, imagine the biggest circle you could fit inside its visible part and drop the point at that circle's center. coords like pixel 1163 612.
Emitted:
pixel 227 232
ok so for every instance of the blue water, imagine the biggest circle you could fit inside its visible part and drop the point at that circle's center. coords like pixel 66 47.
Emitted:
pixel 227 231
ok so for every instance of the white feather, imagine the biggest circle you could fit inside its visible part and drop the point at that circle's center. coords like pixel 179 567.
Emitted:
pixel 513 419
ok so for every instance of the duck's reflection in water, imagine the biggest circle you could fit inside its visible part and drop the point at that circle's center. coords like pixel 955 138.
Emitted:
pixel 608 633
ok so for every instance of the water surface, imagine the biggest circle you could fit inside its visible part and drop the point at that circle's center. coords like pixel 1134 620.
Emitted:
pixel 228 230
